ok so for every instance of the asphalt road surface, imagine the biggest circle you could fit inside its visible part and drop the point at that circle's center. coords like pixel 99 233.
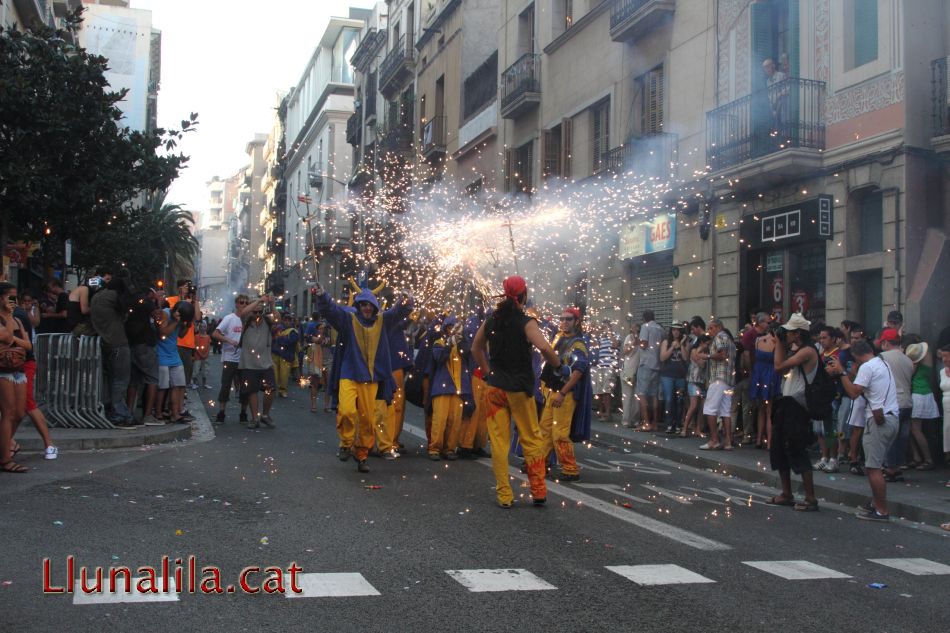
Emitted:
pixel 640 543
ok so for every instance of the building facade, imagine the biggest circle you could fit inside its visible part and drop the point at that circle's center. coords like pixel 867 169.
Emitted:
pixel 318 165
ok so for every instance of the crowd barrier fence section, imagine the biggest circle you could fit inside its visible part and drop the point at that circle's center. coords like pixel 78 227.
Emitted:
pixel 69 381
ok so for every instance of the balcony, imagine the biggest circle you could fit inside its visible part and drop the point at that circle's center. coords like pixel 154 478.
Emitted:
pixel 521 86
pixel 630 19
pixel 353 128
pixel 772 134
pixel 397 139
pixel 397 67
pixel 940 106
pixel 433 138
pixel 649 156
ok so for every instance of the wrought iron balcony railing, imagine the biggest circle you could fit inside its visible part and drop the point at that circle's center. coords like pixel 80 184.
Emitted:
pixel 788 114
pixel 520 80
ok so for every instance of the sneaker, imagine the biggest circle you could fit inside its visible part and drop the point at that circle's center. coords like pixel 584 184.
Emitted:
pixel 435 457
pixel 870 514
pixel 185 413
pixel 481 452
pixel 390 455
pixel 51 452
pixel 243 418
pixel 466 453
pixel 151 420
pixel 208 387
pixel 563 477
pixel 539 501
pixel 267 421
pixel 831 466
pixel 219 419
pixel 253 424
pixel 344 453
pixel 361 466
pixel 820 464
pixel 505 506
pixel 450 456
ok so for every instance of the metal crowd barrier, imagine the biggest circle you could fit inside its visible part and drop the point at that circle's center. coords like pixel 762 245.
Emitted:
pixel 69 381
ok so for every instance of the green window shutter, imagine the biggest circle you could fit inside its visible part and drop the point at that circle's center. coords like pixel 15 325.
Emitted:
pixel 763 40
pixel 794 38
pixel 865 31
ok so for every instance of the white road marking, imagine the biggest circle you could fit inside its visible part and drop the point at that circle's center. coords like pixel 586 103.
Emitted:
pixel 106 597
pixel 915 566
pixel 649 575
pixel 650 524
pixel 479 580
pixel 330 586
pixel 795 569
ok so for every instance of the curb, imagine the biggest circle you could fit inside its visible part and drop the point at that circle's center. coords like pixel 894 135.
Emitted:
pixel 824 492
pixel 90 439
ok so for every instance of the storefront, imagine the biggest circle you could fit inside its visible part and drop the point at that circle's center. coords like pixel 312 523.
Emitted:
pixel 646 248
pixel 784 259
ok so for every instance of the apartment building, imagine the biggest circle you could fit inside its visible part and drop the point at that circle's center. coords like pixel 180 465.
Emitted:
pixel 585 93
pixel 318 164
pixel 805 140
pixel 273 217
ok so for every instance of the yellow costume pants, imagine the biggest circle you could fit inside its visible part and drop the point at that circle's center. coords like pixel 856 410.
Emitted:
pixel 446 422
pixel 475 429
pixel 281 373
pixel 556 428
pixel 396 413
pixel 360 411
pixel 502 406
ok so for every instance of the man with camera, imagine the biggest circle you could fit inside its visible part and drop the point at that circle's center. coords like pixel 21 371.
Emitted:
pixel 186 339
pixel 875 383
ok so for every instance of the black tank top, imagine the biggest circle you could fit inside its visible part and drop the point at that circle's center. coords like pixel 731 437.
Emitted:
pixel 509 353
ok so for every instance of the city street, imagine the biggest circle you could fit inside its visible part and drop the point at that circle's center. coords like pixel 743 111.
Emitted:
pixel 640 543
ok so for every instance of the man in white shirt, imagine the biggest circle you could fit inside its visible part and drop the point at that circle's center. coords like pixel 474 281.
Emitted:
pixel 903 370
pixel 630 355
pixel 875 382
pixel 228 333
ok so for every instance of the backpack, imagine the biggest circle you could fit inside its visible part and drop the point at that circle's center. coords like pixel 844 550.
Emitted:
pixel 820 393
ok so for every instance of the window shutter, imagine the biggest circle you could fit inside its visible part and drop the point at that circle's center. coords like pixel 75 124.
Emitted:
pixel 658 101
pixel 763 42
pixel 596 149
pixel 551 150
pixel 794 38
pixel 567 141
pixel 507 169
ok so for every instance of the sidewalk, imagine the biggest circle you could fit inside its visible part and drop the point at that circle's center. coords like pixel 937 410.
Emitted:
pixel 922 497
pixel 71 439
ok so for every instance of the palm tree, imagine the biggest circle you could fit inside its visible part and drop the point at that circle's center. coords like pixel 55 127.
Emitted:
pixel 168 227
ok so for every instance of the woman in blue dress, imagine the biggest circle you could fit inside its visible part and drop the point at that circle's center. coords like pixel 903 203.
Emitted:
pixel 764 386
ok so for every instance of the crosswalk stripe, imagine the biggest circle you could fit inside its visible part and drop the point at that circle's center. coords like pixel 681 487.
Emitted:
pixel 479 580
pixel 649 575
pixel 915 566
pixel 108 597
pixel 330 586
pixel 795 569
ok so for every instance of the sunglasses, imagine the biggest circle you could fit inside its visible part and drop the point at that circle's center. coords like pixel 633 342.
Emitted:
pixel 241 303
pixel 570 318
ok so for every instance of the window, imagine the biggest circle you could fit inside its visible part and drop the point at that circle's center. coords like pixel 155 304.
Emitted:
pixel 600 135
pixel 518 169
pixel 650 87
pixel 563 15
pixel 480 87
pixel 862 18
pixel 526 31
pixel 871 223
pixel 557 150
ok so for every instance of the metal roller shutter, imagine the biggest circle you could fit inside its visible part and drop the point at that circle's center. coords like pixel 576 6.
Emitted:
pixel 651 288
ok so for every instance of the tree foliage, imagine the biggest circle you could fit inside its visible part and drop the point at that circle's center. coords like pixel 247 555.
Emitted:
pixel 154 242
pixel 69 169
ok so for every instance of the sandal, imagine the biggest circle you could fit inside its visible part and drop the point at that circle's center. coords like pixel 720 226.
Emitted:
pixel 893 477
pixel 856 469
pixel 11 466
pixel 807 506
pixel 926 466
pixel 16 449
pixel 945 526
pixel 780 500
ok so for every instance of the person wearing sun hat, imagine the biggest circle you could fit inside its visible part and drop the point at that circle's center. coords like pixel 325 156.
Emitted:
pixel 791 423
pixel 924 405
pixel 889 342
pixel 503 350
